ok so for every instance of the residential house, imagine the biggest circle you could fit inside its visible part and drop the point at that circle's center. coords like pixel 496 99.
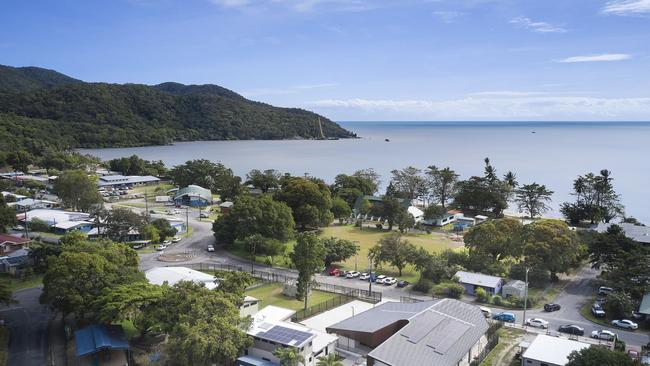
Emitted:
pixel 514 288
pixel 64 227
pixel 10 243
pixel 270 330
pixel 473 281
pixel 101 345
pixel 418 215
pixel 51 216
pixel 249 307
pixel 15 261
pixel 550 351
pixel 193 196
pixel 225 207
pixel 443 332
pixel 644 308
pixel 173 275
pixel 32 204
pixel 120 181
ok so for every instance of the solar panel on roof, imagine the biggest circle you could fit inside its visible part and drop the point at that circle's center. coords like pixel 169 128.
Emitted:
pixel 284 335
pixel 427 322
pixel 453 331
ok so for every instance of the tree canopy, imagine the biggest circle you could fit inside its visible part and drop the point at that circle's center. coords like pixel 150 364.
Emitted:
pixel 310 201
pixel 308 257
pixel 77 190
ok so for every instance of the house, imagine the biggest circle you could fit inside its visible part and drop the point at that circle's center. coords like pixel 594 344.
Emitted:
pixel 10 243
pixel 178 225
pixel 443 332
pixel 473 281
pixel 550 351
pixel 51 216
pixel 16 197
pixel 376 201
pixel 15 261
pixel 31 204
pixel 225 207
pixel 194 196
pixel 480 219
pixel 64 227
pixel 418 215
pixel 640 234
pixel 172 275
pixel 101 345
pixel 514 288
pixel 270 330
pixel 119 181
pixel 249 307
pixel 441 220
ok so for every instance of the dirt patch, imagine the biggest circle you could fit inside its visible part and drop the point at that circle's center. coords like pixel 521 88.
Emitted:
pixel 175 257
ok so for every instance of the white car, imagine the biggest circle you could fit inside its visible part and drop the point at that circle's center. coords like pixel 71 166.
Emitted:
pixel 210 248
pixel 627 324
pixel 603 334
pixel 352 274
pixel 364 276
pixel 161 247
pixel 388 281
pixel 176 239
pixel 167 242
pixel 537 323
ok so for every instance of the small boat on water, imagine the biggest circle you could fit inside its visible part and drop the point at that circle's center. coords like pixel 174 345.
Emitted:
pixel 533 132
pixel 387 140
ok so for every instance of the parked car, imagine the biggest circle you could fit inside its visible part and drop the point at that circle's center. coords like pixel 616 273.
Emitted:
pixel 352 274
pixel 537 323
pixel 364 276
pixel 176 239
pixel 167 242
pixel 343 273
pixel 334 272
pixel 402 283
pixel 389 281
pixel 210 248
pixel 603 334
pixel 504 317
pixel 625 323
pixel 571 329
pixel 552 307
pixel 634 354
pixel 380 279
pixel 597 310
pixel 487 312
pixel 160 247
pixel 138 246
pixel 204 215
pixel 604 291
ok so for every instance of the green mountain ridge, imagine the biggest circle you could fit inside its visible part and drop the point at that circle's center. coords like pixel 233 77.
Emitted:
pixel 43 109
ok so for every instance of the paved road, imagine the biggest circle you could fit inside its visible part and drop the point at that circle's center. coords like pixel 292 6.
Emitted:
pixel 575 294
pixel 27 321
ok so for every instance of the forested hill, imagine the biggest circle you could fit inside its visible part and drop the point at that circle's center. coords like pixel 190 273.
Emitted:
pixel 58 111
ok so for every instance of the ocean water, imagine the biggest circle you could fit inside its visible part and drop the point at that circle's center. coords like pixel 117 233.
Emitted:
pixel 549 153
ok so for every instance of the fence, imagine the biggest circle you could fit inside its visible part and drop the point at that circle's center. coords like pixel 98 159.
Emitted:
pixel 319 308
pixel 492 341
pixel 365 295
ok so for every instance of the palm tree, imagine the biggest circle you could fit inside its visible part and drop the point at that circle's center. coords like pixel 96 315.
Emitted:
pixel 330 360
pixel 289 356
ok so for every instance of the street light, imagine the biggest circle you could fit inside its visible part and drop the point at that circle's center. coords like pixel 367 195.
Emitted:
pixel 523 321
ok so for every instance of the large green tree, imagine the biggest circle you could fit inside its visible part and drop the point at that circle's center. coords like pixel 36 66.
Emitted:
pixel 310 201
pixel 289 356
pixel 121 222
pixel 361 182
pixel 264 180
pixel 442 184
pixel 409 182
pixel 533 199
pixel 396 251
pixel 338 250
pixel 485 195
pixel 497 238
pixel 308 257
pixel 7 215
pixel 340 208
pixel 595 199
pixel 204 173
pixel 250 216
pixel 77 190
pixel 596 355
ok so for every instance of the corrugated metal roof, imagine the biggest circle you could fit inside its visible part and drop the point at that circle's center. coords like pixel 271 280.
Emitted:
pixel 478 279
pixel 194 190
pixel 381 316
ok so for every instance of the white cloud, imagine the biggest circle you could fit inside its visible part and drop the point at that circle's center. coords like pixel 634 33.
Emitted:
pixel 447 16
pixel 492 108
pixel 627 7
pixel 606 57
pixel 539 27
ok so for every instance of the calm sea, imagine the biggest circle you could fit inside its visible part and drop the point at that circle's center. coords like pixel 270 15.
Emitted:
pixel 550 153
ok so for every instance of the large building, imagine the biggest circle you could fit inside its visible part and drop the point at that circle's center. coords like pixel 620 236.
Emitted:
pixel 550 351
pixel 119 181
pixel 194 196
pixel 442 332
pixel 173 275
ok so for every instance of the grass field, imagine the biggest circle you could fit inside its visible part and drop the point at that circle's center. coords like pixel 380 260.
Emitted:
pixel 368 237
pixel 271 294
pixel 18 284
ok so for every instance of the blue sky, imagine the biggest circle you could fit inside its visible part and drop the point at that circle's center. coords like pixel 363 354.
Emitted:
pixel 358 59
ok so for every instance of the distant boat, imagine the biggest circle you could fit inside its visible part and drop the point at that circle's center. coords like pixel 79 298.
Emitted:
pixel 387 140
pixel 533 132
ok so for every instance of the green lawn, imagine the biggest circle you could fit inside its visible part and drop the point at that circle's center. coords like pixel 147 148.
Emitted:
pixel 368 237
pixel 18 284
pixel 271 294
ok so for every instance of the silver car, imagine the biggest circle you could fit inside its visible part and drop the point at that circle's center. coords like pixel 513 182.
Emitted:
pixel 626 324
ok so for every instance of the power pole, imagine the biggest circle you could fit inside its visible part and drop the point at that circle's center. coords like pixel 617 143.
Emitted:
pixel 187 221
pixel 523 321
pixel 146 206
pixel 26 230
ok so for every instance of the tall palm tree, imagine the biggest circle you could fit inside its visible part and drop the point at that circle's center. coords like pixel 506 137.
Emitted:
pixel 289 356
pixel 330 360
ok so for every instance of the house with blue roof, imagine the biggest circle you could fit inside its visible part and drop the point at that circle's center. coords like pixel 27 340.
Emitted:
pixel 101 345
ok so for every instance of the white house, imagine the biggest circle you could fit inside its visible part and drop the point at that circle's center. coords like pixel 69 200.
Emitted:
pixel 550 351
pixel 172 275
pixel 417 214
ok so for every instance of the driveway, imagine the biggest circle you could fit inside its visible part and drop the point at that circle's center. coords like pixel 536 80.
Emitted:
pixel 28 324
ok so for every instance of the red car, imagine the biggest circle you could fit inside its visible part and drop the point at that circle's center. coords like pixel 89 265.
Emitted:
pixel 335 272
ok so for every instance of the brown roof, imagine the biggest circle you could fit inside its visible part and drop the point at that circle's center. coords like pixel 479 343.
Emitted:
pixel 4 238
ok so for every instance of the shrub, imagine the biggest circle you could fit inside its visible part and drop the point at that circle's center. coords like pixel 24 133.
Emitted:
pixel 497 300
pixel 455 290
pixel 619 345
pixel 423 285
pixel 38 225
pixel 482 296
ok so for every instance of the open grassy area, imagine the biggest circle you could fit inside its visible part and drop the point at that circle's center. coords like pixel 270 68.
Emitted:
pixel 271 294
pixel 19 284
pixel 154 190
pixel 368 237
pixel 504 351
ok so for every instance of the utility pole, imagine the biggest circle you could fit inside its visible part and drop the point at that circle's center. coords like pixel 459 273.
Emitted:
pixel 187 221
pixel 26 230
pixel 146 206
pixel 370 277
pixel 253 258
pixel 523 321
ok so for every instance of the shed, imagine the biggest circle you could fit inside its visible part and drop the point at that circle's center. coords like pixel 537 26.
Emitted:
pixel 101 344
pixel 473 281
pixel 514 288
pixel 550 351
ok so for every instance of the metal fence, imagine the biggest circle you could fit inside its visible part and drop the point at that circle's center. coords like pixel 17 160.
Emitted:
pixel 492 341
pixel 322 307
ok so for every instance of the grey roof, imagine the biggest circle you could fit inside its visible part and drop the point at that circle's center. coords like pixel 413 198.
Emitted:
pixel 381 316
pixel 520 285
pixel 440 335
pixel 110 180
pixel 644 308
pixel 637 233
pixel 194 191
pixel 478 279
